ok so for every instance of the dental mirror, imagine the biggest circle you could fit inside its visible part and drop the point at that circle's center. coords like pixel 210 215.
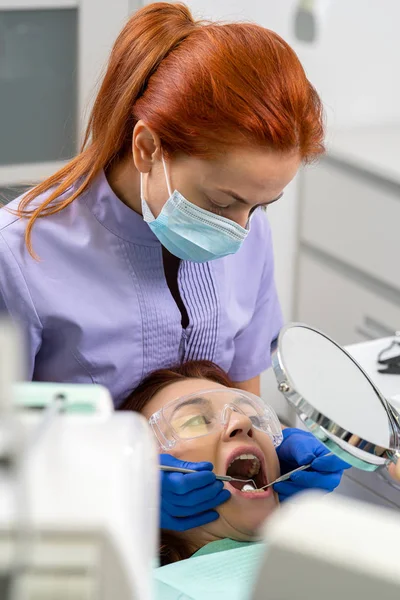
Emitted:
pixel 335 398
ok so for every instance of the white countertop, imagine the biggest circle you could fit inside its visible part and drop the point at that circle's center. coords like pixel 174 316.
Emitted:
pixel 366 354
pixel 377 488
pixel 374 148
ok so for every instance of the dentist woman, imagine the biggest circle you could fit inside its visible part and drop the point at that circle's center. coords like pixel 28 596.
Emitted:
pixel 151 247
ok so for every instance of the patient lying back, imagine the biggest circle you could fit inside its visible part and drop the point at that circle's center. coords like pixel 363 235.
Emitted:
pixel 197 416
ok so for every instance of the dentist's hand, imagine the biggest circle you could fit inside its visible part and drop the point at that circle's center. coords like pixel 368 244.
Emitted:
pixel 188 500
pixel 300 448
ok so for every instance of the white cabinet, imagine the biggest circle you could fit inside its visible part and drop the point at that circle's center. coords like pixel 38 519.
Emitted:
pixel 353 216
pixel 374 488
pixel 345 307
pixel 348 275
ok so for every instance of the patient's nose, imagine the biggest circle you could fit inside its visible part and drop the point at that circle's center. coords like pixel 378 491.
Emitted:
pixel 237 424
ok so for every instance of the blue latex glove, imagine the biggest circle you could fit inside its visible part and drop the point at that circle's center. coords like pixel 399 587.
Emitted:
pixel 188 500
pixel 300 448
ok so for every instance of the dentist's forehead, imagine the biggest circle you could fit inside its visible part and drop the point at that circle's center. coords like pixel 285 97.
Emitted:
pixel 252 172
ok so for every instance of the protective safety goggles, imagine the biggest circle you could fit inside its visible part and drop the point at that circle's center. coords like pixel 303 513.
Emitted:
pixel 202 413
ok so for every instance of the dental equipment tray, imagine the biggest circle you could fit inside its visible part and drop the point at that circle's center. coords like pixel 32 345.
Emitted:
pixel 75 398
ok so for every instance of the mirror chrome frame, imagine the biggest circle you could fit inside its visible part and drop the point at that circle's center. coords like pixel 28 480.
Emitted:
pixel 347 445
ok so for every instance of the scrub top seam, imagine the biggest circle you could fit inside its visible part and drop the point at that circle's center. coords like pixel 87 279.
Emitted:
pixel 192 307
pixel 217 293
pixel 139 291
pixel 212 296
pixel 203 339
pixel 12 222
pixel 24 280
pixel 218 316
pixel 149 244
pixel 94 381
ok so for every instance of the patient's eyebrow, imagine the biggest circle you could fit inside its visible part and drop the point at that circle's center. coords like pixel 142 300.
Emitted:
pixel 190 401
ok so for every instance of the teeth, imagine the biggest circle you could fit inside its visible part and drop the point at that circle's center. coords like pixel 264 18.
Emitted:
pixel 253 468
pixel 248 488
pixel 244 457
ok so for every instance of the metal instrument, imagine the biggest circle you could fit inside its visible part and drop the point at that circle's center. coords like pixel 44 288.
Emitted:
pixel 287 475
pixel 227 478
pixel 220 477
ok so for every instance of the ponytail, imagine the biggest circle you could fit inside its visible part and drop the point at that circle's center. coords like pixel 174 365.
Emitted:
pixel 147 38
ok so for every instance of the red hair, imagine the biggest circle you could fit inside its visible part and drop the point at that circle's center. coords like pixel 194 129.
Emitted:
pixel 201 87
pixel 172 547
pixel 158 380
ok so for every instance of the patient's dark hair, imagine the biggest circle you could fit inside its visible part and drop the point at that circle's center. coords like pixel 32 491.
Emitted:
pixel 172 547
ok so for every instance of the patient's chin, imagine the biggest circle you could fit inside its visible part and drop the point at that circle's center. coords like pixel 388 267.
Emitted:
pixel 240 522
pixel 240 532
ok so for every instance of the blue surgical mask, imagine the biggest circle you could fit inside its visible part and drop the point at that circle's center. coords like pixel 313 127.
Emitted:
pixel 189 232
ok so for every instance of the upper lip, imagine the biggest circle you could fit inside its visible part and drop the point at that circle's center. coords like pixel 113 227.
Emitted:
pixel 248 450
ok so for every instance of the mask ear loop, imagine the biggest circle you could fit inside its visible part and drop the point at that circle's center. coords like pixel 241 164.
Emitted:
pixel 141 186
pixel 166 174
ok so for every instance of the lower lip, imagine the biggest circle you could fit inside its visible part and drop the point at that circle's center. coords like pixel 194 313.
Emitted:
pixel 251 495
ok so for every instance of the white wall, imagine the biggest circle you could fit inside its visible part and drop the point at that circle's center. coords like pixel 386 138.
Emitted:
pixel 354 64
pixel 100 22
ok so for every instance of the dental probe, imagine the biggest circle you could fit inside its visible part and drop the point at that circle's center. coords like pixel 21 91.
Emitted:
pixel 288 475
pixel 227 478
pixel 220 477
pixel 285 477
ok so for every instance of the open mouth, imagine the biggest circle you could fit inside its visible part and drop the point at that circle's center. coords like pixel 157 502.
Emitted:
pixel 247 465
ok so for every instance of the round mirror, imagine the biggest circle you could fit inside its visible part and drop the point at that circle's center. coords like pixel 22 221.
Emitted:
pixel 335 398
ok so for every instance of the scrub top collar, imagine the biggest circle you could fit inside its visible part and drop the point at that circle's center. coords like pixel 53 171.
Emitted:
pixel 116 216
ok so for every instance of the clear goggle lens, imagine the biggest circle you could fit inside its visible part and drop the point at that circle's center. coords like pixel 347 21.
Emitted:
pixel 202 413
